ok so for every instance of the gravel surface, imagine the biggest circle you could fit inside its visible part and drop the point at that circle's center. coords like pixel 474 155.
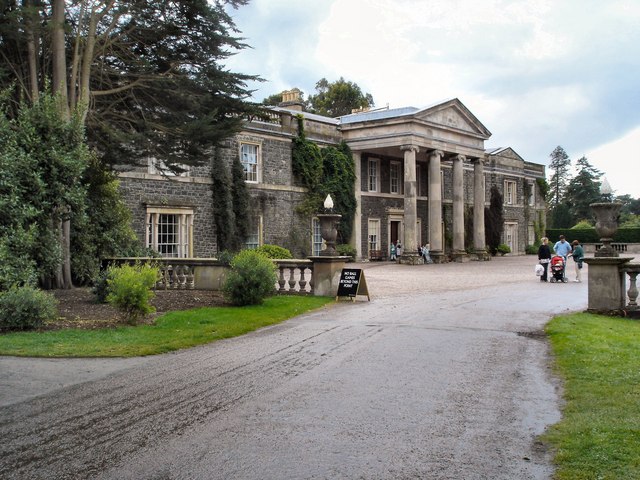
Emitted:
pixel 443 375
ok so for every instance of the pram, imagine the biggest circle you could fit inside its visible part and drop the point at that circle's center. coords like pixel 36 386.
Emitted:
pixel 557 266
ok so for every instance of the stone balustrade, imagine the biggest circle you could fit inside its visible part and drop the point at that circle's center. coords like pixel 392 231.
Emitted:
pixel 294 276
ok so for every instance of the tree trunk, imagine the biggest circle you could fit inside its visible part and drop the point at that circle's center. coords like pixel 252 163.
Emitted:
pixel 32 42
pixel 66 255
pixel 59 60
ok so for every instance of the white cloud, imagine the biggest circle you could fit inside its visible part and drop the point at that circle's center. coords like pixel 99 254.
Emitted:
pixel 537 73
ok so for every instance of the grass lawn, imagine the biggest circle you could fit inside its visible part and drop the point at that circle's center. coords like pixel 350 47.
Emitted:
pixel 172 331
pixel 599 359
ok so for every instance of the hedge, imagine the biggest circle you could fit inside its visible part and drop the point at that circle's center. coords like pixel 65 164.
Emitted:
pixel 589 235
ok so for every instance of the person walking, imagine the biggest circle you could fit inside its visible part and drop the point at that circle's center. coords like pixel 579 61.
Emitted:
pixel 398 250
pixel 578 257
pixel 544 257
pixel 563 248
pixel 392 257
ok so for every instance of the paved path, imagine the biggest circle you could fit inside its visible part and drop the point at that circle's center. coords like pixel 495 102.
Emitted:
pixel 442 375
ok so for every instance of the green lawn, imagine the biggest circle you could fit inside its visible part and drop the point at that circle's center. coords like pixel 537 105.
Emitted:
pixel 172 331
pixel 599 359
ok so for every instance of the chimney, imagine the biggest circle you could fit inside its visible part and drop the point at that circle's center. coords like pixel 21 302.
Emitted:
pixel 292 99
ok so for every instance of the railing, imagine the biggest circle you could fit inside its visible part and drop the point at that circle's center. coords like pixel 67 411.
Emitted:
pixel 618 247
pixel 295 277
pixel 631 270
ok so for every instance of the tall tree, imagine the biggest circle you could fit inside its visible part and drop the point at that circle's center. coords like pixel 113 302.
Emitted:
pixel 494 220
pixel 559 164
pixel 334 99
pixel 145 76
pixel 582 190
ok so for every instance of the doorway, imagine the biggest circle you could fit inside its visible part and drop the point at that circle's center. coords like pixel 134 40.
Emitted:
pixel 394 230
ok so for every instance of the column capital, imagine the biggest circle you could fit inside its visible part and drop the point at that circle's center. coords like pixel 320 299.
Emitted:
pixel 438 153
pixel 460 157
pixel 414 148
pixel 479 161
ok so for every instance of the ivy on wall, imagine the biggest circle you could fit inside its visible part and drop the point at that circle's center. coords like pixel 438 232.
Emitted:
pixel 329 170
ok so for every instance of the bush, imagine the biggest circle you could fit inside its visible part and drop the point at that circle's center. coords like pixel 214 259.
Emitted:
pixel 225 257
pixel 100 287
pixel 274 251
pixel 347 250
pixel 252 278
pixel 531 249
pixel 25 308
pixel 130 289
pixel 503 249
pixel 582 224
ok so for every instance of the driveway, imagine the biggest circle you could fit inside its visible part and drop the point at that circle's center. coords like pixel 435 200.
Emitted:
pixel 443 375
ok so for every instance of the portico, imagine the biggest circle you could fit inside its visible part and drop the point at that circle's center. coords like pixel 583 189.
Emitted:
pixel 428 145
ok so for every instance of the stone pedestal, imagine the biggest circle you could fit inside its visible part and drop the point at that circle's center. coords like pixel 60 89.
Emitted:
pixel 411 259
pixel 326 274
pixel 606 284
pixel 460 256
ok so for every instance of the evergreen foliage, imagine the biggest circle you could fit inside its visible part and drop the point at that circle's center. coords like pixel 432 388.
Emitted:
pixel 155 85
pixel 494 220
pixel 221 198
pixel 559 164
pixel 582 190
pixel 239 203
pixel 252 278
pixel 26 308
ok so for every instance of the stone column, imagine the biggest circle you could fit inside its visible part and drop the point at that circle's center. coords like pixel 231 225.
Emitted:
pixel 410 243
pixel 356 235
pixel 459 253
pixel 479 244
pixel 435 207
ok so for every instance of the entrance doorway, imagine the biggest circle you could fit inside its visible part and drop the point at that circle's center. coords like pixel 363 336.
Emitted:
pixel 394 230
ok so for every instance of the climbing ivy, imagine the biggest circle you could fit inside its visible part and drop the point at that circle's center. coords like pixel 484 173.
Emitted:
pixel 329 170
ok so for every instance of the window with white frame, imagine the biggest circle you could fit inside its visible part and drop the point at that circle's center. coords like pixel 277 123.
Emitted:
pixel 394 177
pixel 255 234
pixel 532 194
pixel 169 231
pixel 317 242
pixel 374 174
pixel 249 156
pixel 374 235
pixel 509 192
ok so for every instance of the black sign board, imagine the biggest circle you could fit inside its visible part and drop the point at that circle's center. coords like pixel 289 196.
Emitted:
pixel 352 283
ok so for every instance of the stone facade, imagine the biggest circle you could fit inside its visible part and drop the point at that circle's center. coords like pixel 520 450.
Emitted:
pixel 402 147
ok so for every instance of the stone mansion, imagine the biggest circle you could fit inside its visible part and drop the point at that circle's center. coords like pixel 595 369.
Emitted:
pixel 420 173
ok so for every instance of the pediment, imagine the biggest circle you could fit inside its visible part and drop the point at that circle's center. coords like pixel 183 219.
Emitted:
pixel 455 115
pixel 506 152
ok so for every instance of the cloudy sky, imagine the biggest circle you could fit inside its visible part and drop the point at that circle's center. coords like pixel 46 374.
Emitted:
pixel 536 73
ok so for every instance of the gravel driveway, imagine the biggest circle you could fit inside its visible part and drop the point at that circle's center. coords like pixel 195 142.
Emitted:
pixel 443 375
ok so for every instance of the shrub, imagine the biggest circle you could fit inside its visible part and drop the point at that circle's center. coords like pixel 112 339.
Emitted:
pixel 503 249
pixel 582 224
pixel 252 278
pixel 531 249
pixel 225 257
pixel 347 250
pixel 274 251
pixel 130 289
pixel 24 308
pixel 100 287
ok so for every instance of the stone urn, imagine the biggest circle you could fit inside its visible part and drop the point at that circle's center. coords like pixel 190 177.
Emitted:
pixel 606 214
pixel 329 231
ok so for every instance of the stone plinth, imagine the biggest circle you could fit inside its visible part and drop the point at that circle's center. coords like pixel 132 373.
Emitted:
pixel 606 284
pixel 326 274
pixel 411 259
pixel 460 256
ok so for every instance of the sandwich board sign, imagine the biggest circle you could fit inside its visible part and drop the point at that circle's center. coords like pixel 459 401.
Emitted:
pixel 352 283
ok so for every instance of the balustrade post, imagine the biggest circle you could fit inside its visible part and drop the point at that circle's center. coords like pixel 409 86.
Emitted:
pixel 303 282
pixel 281 280
pixel 632 293
pixel 292 279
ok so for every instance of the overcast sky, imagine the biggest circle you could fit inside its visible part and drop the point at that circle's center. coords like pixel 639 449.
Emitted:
pixel 536 73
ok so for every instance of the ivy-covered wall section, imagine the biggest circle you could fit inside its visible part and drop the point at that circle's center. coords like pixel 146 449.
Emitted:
pixel 325 171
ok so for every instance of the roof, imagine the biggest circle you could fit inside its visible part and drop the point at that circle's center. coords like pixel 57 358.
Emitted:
pixel 307 115
pixel 377 114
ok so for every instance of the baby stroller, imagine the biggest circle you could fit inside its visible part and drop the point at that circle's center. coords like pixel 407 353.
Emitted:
pixel 557 266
